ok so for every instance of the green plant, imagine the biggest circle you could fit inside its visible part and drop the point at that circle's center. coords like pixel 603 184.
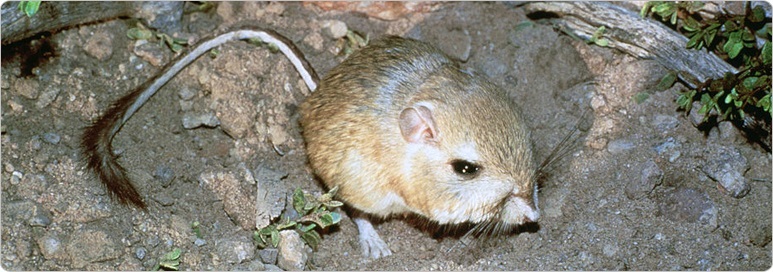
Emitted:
pixel 743 40
pixel 29 7
pixel 313 211
pixel 140 32
pixel 170 261
pixel 597 37
pixel 196 227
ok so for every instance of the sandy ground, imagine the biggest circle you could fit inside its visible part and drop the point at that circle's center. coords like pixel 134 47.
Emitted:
pixel 633 193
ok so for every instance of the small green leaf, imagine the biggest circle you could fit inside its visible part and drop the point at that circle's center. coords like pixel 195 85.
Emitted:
pixel 333 204
pixel 735 50
pixel 694 40
pixel 640 97
pixel 749 83
pixel 757 15
pixel 299 201
pixel 306 228
pixel 666 81
pixel 286 225
pixel 766 54
pixel 275 238
pixel 312 238
pixel 137 33
pixel 602 42
pixel 173 255
pixel 29 7
pixel 764 103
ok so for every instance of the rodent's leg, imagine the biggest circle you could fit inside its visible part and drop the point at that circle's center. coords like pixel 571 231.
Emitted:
pixel 371 244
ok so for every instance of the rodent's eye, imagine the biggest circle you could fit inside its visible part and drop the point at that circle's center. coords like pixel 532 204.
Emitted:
pixel 465 168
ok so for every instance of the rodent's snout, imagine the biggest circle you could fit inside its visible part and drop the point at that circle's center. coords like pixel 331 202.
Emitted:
pixel 518 210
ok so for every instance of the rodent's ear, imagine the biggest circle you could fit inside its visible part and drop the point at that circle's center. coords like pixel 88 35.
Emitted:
pixel 418 126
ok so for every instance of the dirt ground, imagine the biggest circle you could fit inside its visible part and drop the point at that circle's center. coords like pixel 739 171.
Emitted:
pixel 633 194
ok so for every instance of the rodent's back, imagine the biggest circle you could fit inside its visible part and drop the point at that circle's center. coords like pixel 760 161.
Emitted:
pixel 355 125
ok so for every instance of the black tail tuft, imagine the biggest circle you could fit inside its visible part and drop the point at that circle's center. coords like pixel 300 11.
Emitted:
pixel 98 154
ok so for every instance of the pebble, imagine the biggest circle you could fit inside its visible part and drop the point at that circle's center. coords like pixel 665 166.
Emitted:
pixel 16 177
pixel 271 267
pixel 51 138
pixel 50 245
pixel 193 120
pixel 186 93
pixel 334 29
pixel 664 123
pixel 42 219
pixel 140 253
pixel 268 255
pixel 641 186
pixel 234 250
pixel 726 165
pixel 200 242
pixel 618 146
pixel 47 96
pixel 35 143
pixel 292 251
pixel 689 206
pixel 597 102
pixel 669 148
pixel 164 174
pixel 251 266
pixel 8 168
pixel 727 131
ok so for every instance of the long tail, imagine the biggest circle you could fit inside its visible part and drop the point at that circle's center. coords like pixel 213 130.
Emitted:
pixel 97 139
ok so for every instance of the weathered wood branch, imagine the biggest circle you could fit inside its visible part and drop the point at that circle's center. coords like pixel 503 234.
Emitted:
pixel 641 37
pixel 54 16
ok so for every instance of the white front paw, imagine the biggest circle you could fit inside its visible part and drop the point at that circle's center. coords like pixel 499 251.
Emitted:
pixel 371 244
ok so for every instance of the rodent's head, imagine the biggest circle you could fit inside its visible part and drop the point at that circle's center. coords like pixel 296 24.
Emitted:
pixel 468 152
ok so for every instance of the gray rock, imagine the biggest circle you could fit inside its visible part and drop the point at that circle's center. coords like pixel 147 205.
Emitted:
pixel 234 251
pixel 194 120
pixel 51 246
pixel 186 93
pixel 41 219
pixel 165 16
pixel 664 123
pixel 618 146
pixel 641 186
pixel 200 242
pixel 688 206
pixel 271 267
pixel 270 201
pixel 268 255
pixel 727 131
pixel 35 143
pixel 47 96
pixel 670 149
pixel 292 251
pixel 16 177
pixel 89 246
pixel 140 253
pixel 254 265
pixel 334 29
pixel 164 174
pixel 726 165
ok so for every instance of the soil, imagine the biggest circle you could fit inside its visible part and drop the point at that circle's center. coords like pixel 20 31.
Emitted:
pixel 633 192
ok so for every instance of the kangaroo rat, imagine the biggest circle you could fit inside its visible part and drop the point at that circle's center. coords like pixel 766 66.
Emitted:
pixel 398 126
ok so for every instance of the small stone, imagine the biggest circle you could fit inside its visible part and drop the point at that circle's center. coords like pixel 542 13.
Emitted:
pixel 8 168
pixel 48 96
pixel 292 251
pixel 268 255
pixel 251 266
pixel 140 253
pixel 664 123
pixel 100 45
pixel 51 138
pixel 641 186
pixel 234 251
pixel 187 94
pixel 193 120
pixel 618 146
pixel 610 250
pixel 689 206
pixel 727 131
pixel 726 165
pixel 42 219
pixel 16 177
pixel 597 102
pixel 153 53
pixel 164 174
pixel 696 119
pixel 50 246
pixel 670 149
pixel 271 267
pixel 35 143
pixel 200 242
pixel 28 88
pixel 334 29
